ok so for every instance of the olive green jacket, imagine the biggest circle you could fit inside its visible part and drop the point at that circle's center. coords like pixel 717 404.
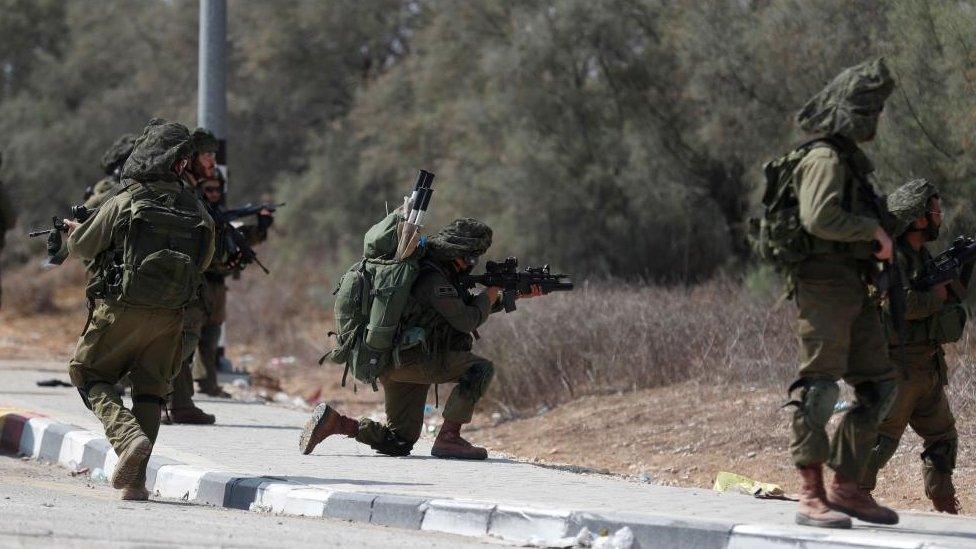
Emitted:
pixel 823 178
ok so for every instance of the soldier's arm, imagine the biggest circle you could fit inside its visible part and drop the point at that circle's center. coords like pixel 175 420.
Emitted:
pixel 95 235
pixel 821 176
pixel 432 288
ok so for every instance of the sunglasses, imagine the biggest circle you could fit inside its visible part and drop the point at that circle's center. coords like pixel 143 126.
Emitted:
pixel 211 190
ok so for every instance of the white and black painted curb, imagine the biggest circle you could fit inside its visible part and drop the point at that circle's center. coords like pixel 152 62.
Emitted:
pixel 72 447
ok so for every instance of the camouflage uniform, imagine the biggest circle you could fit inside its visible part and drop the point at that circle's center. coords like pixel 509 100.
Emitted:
pixel 112 162
pixel 122 338
pixel 839 323
pixel 8 216
pixel 921 401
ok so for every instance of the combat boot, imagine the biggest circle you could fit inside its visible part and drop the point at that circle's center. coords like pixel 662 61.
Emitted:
pixel 135 493
pixel 129 468
pixel 947 504
pixel 191 416
pixel 814 510
pixel 325 422
pixel 450 444
pixel 844 494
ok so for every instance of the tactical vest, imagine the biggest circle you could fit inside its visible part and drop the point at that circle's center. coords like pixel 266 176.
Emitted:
pixel 439 335
pixel 164 248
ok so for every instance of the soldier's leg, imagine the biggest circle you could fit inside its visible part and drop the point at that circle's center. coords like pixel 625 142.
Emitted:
pixel 473 375
pixel 934 422
pixel 182 396
pixel 828 299
pixel 891 429
pixel 404 419
pixel 104 352
pixel 205 368
pixel 875 382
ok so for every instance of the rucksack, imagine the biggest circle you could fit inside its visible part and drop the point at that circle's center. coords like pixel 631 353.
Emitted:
pixel 369 302
pixel 163 250
pixel 778 236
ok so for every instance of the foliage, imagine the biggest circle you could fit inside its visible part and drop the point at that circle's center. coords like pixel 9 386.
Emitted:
pixel 604 136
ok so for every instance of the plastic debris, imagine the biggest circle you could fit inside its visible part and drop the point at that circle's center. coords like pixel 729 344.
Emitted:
pixel 98 474
pixel 732 482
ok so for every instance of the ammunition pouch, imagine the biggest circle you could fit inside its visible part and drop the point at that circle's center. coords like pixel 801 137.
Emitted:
pixel 948 324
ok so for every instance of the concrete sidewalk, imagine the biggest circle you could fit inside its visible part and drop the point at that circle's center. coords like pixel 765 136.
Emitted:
pixel 250 460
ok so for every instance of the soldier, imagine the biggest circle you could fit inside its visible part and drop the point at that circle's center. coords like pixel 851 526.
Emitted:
pixel 150 243
pixel 112 162
pixel 8 216
pixel 448 314
pixel 935 316
pixel 839 323
pixel 181 408
pixel 215 289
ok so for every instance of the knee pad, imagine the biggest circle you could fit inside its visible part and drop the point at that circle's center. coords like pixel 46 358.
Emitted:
pixel 941 456
pixel 817 400
pixel 475 381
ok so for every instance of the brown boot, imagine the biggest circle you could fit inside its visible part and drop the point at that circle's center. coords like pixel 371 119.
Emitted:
pixel 844 494
pixel 814 510
pixel 449 444
pixel 191 416
pixel 325 422
pixel 129 467
pixel 947 504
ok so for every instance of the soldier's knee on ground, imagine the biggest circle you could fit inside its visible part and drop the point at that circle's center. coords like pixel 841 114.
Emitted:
pixel 818 397
pixel 383 439
pixel 474 383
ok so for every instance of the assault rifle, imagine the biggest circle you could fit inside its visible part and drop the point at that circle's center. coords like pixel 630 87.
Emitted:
pixel 55 243
pixel 505 275
pixel 249 209
pixel 240 250
pixel 949 265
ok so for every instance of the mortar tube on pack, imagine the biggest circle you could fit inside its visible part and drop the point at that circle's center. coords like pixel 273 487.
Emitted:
pixel 415 207
pixel 422 213
pixel 421 178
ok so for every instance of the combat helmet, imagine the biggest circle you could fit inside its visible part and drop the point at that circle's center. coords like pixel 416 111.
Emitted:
pixel 910 202
pixel 116 155
pixel 850 104
pixel 463 238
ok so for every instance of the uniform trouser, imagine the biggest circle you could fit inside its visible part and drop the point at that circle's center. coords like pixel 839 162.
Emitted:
pixel 922 403
pixel 145 343
pixel 841 337
pixel 205 367
pixel 405 392
pixel 183 383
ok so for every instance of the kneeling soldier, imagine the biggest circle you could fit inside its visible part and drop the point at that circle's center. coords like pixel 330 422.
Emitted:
pixel 448 314
pixel 149 244
pixel 935 316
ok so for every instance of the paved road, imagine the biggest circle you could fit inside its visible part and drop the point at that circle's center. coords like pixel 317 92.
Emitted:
pixel 262 440
pixel 44 506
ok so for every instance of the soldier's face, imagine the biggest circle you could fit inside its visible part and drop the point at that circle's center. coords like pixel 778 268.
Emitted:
pixel 211 191
pixel 206 164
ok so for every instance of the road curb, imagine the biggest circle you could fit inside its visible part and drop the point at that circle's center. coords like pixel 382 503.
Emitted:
pixel 28 434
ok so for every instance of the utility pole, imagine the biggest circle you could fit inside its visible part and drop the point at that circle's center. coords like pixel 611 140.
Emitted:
pixel 212 86
pixel 212 98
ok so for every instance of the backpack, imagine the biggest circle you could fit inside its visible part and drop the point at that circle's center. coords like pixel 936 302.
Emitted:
pixel 163 250
pixel 778 237
pixel 369 302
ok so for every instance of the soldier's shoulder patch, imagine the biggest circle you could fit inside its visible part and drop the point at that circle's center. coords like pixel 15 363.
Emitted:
pixel 445 290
